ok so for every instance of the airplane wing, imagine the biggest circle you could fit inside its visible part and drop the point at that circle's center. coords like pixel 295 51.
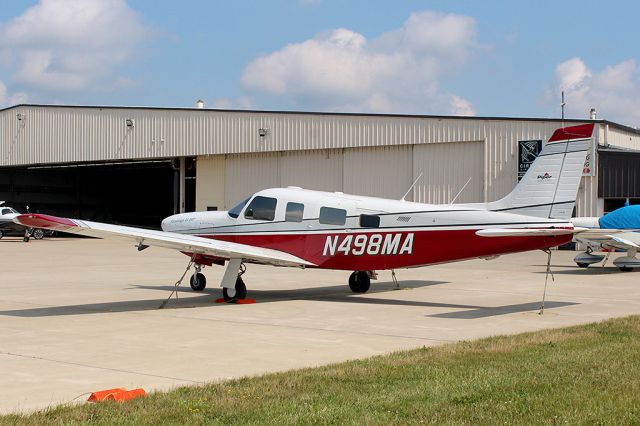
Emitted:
pixel 171 240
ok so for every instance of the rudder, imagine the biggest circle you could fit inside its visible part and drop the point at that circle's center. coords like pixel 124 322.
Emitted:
pixel 550 187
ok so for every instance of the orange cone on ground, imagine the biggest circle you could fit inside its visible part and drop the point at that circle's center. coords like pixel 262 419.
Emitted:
pixel 117 394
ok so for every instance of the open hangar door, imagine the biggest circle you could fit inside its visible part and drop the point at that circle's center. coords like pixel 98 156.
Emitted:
pixel 130 193
pixel 618 177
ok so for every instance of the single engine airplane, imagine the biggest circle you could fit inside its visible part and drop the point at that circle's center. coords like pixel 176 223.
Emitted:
pixel 8 226
pixel 312 229
pixel 618 230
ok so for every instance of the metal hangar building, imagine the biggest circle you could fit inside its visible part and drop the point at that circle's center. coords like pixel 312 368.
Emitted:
pixel 136 165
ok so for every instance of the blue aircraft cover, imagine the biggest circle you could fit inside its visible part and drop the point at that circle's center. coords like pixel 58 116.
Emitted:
pixel 623 218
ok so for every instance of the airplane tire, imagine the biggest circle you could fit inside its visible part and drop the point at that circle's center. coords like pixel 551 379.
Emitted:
pixel 198 282
pixel 38 234
pixel 625 269
pixel 1 234
pixel 582 265
pixel 240 292
pixel 359 282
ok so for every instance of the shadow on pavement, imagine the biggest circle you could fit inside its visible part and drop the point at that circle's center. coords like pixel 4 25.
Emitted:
pixel 207 297
pixel 475 312
pixel 340 294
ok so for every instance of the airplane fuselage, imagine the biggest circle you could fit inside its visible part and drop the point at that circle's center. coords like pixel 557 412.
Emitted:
pixel 348 232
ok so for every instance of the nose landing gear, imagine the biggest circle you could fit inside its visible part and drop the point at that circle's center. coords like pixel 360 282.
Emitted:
pixel 198 281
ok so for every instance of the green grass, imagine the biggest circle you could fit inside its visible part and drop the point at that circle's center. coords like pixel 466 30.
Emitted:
pixel 587 374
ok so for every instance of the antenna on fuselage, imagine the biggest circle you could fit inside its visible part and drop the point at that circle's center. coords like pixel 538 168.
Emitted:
pixel 411 187
pixel 460 192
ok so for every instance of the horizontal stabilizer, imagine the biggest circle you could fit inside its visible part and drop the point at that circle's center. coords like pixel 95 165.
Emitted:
pixel 506 232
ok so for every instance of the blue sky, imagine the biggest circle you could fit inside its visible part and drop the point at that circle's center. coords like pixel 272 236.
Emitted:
pixel 486 58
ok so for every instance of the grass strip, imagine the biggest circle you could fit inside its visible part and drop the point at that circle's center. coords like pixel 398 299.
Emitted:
pixel 584 374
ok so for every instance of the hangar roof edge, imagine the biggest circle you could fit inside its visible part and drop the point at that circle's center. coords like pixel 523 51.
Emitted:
pixel 339 114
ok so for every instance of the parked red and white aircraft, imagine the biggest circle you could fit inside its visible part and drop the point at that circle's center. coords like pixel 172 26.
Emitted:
pixel 312 229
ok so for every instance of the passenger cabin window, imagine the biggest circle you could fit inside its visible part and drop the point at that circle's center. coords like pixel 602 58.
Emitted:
pixel 294 212
pixel 261 208
pixel 235 211
pixel 369 221
pixel 331 216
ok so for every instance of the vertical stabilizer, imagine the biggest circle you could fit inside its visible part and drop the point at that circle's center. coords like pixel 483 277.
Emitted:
pixel 550 186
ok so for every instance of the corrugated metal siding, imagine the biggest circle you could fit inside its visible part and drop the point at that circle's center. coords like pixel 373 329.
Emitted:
pixel 246 174
pixel 617 137
pixel 381 172
pixel 318 169
pixel 77 134
pixel 446 168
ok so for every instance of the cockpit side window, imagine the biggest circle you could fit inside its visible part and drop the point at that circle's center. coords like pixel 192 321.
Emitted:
pixel 235 211
pixel 331 216
pixel 261 208
pixel 294 212
pixel 5 211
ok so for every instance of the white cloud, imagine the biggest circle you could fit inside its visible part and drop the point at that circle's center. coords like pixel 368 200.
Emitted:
pixel 461 106
pixel 613 92
pixel 63 45
pixel 395 72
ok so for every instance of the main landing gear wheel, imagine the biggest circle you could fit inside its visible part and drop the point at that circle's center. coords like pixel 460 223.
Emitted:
pixel 238 293
pixel 198 282
pixel 359 282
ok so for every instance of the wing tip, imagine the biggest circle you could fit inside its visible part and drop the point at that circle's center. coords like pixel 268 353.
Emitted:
pixel 36 220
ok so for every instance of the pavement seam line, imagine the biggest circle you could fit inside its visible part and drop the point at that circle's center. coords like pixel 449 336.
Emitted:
pixel 77 364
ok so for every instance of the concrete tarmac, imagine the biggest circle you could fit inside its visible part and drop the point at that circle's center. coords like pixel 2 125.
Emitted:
pixel 80 315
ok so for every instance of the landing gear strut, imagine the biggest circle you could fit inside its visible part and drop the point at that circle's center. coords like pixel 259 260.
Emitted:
pixel 233 287
pixel 198 281
pixel 231 294
pixel 359 282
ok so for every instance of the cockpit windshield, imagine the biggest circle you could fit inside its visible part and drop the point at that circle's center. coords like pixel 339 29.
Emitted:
pixel 7 210
pixel 235 211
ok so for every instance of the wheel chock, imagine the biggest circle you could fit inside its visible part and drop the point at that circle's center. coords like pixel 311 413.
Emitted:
pixel 236 301
pixel 118 394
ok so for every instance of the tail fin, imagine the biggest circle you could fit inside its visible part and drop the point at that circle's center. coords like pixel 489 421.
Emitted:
pixel 550 186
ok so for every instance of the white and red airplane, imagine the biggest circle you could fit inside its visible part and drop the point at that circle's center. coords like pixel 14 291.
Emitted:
pixel 312 229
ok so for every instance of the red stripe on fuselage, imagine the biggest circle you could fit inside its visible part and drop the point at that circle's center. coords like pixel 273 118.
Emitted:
pixel 428 247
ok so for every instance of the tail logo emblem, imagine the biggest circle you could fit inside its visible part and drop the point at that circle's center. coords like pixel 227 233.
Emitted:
pixel 544 176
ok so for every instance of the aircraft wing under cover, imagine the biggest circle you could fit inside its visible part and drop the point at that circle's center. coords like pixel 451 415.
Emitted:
pixel 611 238
pixel 171 240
